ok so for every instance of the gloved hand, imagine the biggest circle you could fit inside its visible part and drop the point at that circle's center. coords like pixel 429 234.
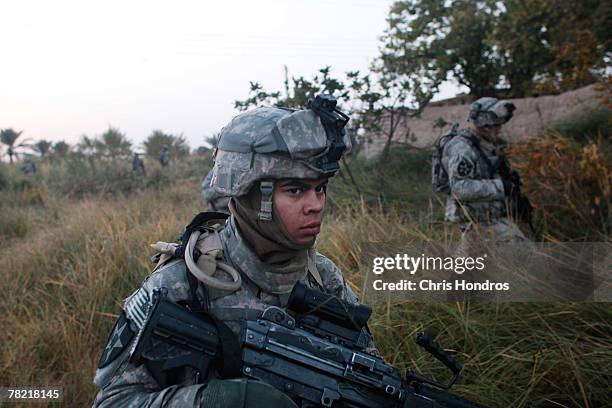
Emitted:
pixel 243 393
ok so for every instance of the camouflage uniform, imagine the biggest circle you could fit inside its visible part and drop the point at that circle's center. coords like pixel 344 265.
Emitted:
pixel 214 201
pixel 125 385
pixel 164 156
pixel 243 160
pixel 28 167
pixel 477 200
pixel 138 166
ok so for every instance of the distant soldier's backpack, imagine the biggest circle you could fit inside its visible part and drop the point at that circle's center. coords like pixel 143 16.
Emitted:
pixel 439 176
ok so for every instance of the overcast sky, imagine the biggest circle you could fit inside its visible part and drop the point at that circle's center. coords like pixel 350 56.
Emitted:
pixel 75 67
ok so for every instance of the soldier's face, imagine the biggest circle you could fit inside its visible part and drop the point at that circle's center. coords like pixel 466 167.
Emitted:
pixel 494 131
pixel 489 132
pixel 300 205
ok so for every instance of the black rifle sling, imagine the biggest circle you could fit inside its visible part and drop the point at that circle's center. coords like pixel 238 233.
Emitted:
pixel 476 143
pixel 494 168
pixel 230 359
pixel 228 362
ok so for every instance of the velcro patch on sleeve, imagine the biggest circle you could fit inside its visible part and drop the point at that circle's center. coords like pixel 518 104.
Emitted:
pixel 118 340
pixel 465 168
pixel 136 307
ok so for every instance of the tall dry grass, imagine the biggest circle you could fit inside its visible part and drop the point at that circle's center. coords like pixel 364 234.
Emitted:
pixel 515 354
pixel 63 282
pixel 67 264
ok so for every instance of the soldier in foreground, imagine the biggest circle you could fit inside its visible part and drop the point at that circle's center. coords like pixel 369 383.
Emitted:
pixel 483 194
pixel 275 164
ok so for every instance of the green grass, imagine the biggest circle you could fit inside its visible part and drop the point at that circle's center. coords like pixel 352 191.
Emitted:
pixel 405 178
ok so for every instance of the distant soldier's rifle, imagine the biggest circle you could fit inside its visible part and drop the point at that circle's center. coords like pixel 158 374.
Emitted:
pixel 520 205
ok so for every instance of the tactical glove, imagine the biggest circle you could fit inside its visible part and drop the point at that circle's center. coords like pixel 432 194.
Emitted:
pixel 243 393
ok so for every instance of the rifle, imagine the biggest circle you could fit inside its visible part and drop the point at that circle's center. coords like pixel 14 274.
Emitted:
pixel 520 205
pixel 314 352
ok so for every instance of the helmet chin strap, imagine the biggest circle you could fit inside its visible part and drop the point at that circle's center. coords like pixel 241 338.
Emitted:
pixel 266 188
pixel 482 132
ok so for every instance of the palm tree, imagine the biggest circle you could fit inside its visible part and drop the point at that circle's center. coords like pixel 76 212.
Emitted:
pixel 158 139
pixel 113 144
pixel 42 147
pixel 87 146
pixel 9 138
pixel 61 149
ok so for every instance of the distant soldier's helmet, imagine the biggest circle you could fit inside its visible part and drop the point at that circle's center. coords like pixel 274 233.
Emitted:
pixel 490 112
pixel 266 144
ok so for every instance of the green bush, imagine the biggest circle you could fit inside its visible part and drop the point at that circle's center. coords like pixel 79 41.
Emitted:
pixel 79 177
pixel 586 126
pixel 405 179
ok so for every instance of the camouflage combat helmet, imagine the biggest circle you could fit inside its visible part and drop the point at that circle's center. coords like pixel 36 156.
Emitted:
pixel 265 144
pixel 490 112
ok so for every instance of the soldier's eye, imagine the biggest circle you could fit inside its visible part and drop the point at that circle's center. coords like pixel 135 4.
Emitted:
pixel 294 190
pixel 321 189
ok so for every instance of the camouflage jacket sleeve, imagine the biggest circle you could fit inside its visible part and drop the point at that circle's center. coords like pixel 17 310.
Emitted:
pixel 335 284
pixel 467 178
pixel 333 280
pixel 123 384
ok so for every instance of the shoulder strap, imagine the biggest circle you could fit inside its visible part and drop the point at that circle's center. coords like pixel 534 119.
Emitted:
pixel 167 251
pixel 196 304
pixel 445 138
pixel 199 221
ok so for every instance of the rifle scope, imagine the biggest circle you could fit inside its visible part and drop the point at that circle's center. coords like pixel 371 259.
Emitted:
pixel 304 300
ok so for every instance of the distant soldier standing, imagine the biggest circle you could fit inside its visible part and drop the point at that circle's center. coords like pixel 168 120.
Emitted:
pixel 28 167
pixel 138 166
pixel 482 191
pixel 164 156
